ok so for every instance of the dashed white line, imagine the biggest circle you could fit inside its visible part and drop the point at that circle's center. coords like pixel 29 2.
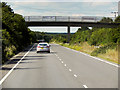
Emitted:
pixel 65 65
pixel 62 62
pixel 60 59
pixel 70 70
pixel 3 79
pixel 75 75
pixel 85 86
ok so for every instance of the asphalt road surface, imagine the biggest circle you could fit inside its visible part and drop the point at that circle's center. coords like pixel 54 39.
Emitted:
pixel 62 68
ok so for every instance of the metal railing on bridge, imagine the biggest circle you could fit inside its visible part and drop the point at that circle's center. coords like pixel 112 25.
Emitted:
pixel 62 18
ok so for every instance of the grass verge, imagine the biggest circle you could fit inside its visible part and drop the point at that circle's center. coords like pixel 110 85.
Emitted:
pixel 109 53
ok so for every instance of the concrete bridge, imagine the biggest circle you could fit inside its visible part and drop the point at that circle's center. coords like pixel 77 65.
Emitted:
pixel 68 21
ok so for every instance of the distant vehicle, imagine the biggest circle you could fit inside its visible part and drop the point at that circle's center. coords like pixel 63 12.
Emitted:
pixel 40 41
pixel 43 47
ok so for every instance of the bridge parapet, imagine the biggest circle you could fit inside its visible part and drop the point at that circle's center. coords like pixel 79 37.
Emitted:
pixel 62 18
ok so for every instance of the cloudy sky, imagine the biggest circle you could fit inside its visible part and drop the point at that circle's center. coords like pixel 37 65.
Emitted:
pixel 63 8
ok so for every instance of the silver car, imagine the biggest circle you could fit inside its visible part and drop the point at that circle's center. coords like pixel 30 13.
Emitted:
pixel 43 47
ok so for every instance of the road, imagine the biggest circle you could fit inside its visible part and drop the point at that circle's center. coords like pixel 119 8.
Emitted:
pixel 62 68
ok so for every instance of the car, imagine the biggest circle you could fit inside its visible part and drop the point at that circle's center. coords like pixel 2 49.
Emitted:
pixel 43 47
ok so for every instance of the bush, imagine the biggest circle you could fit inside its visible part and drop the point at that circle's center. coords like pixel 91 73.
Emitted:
pixel 103 49
pixel 15 34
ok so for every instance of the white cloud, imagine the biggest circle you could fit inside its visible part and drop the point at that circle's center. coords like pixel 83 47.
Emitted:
pixel 61 9
pixel 94 4
pixel 78 15
pixel 100 0
pixel 59 0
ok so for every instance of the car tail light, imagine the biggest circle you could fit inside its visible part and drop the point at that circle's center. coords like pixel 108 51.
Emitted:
pixel 48 46
pixel 38 46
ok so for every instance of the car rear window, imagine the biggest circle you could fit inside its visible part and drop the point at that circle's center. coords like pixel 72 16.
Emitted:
pixel 42 44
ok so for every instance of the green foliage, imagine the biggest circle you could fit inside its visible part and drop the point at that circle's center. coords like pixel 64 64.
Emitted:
pixel 103 49
pixel 81 35
pixel 105 38
pixel 62 38
pixel 106 20
pixel 117 20
pixel 98 37
pixel 43 36
pixel 15 34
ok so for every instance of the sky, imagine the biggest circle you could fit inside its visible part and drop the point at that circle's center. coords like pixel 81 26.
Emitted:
pixel 63 8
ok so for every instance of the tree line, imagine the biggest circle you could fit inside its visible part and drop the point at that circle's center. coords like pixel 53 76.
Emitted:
pixel 15 34
pixel 106 38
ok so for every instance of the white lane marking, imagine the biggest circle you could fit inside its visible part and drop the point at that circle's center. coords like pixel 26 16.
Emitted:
pixel 62 62
pixel 65 65
pixel 75 75
pixel 3 79
pixel 104 61
pixel 85 86
pixel 60 59
pixel 94 57
pixel 55 54
pixel 70 70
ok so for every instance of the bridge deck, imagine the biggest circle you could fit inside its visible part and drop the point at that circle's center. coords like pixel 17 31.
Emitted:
pixel 73 24
pixel 87 21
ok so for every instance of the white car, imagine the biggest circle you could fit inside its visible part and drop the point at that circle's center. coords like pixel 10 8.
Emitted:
pixel 43 47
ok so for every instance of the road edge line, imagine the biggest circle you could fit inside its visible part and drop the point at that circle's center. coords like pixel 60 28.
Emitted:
pixel 99 59
pixel 5 77
pixel 85 86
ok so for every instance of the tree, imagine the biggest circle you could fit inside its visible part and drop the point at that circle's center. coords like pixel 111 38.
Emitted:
pixel 117 20
pixel 106 20
pixel 15 33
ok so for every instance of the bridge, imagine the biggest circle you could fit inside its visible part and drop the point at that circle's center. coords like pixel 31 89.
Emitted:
pixel 69 21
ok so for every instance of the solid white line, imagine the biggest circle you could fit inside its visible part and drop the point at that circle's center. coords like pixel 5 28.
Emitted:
pixel 3 79
pixel 85 86
pixel 70 70
pixel 93 57
pixel 104 61
pixel 75 75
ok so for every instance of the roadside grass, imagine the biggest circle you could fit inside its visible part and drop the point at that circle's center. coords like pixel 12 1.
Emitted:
pixel 10 51
pixel 87 48
pixel 83 47
pixel 107 54
pixel 110 55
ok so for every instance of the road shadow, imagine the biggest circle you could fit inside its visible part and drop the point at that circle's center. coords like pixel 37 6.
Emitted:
pixel 53 52
pixel 33 59
pixel 46 53
pixel 35 56
pixel 25 62
pixel 6 68
pixel 14 61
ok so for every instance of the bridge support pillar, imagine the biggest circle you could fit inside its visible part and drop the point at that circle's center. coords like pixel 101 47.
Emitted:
pixel 68 37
